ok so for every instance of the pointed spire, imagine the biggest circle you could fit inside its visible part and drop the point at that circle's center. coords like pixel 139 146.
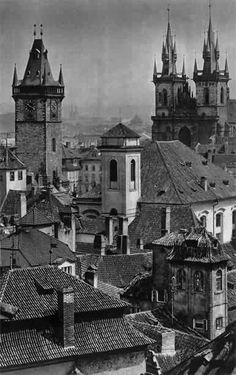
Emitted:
pixel 34 31
pixel 168 34
pixel 15 78
pixel 41 31
pixel 174 49
pixel 217 48
pixel 226 67
pixel 60 79
pixel 44 75
pixel 183 69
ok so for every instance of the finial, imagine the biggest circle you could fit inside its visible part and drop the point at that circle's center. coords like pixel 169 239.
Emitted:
pixel 120 115
pixel 168 12
pixel 41 30
pixel 209 6
pixel 34 30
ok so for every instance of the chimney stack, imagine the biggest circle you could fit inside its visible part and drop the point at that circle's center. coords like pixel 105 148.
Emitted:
pixel 203 183
pixel 23 205
pixel 168 342
pixel 66 318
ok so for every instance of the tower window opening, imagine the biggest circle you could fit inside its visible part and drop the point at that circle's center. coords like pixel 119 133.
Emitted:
pixel 181 279
pixel 222 95
pixel 113 174
pixel 206 95
pixel 198 281
pixel 132 174
pixel 160 97
pixel 219 323
pixel 165 97
pixel 219 280
pixel 53 144
pixel 203 221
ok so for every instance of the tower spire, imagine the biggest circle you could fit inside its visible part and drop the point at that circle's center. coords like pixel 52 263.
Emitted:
pixel 226 66
pixel 34 33
pixel 15 78
pixel 60 79
pixel 195 66
pixel 183 69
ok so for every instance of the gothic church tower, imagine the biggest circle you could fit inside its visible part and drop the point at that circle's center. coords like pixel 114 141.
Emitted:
pixel 212 92
pixel 38 99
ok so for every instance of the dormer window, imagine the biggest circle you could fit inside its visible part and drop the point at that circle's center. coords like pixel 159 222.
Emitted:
pixel 28 73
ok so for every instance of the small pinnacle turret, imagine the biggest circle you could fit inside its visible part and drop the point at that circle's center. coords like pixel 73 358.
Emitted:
pixel 60 79
pixel 15 78
pixel 183 69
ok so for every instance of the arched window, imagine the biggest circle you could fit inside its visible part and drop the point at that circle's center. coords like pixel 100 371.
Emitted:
pixel 222 95
pixel 164 97
pixel 219 226
pixel 160 97
pixel 53 144
pixel 203 221
pixel 132 170
pixel 219 280
pixel 198 281
pixel 206 95
pixel 181 279
pixel 113 170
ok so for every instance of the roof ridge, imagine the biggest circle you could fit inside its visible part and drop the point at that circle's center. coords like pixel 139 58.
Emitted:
pixel 169 174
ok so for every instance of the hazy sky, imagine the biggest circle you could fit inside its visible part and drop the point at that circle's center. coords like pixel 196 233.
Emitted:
pixel 107 46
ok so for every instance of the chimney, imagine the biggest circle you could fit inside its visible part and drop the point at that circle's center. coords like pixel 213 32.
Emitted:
pixel 203 183
pixel 168 342
pixel 109 229
pixel 91 276
pixel 23 208
pixel 123 244
pixel 168 219
pixel 100 243
pixel 66 329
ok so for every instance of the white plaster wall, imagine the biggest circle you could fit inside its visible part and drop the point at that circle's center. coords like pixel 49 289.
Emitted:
pixel 68 264
pixel 210 209
pixel 16 184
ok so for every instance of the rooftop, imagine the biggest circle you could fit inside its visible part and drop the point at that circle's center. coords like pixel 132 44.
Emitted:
pixel 8 160
pixel 35 217
pixel 120 131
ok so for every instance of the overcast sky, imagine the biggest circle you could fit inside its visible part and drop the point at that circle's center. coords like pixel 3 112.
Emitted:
pixel 107 46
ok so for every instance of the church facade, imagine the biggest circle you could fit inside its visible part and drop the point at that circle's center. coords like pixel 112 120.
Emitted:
pixel 178 115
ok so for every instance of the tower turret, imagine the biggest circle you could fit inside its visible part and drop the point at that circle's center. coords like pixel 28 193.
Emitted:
pixel 38 99
pixel 15 78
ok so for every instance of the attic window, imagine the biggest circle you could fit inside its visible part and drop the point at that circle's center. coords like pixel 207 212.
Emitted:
pixel 43 285
pixel 161 192
pixel 205 162
pixel 188 163
pixel 212 184
pixel 37 73
pixel 181 191
pixel 28 73
pixel 226 182
pixel 193 189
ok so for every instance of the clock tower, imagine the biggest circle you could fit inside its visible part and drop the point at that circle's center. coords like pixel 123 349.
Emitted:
pixel 38 100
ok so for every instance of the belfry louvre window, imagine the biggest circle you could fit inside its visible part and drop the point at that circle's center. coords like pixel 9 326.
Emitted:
pixel 222 95
pixel 219 280
pixel 132 174
pixel 113 174
pixel 181 279
pixel 206 95
pixel 53 144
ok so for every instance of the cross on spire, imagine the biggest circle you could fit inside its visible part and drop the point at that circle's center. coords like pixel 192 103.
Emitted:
pixel 168 12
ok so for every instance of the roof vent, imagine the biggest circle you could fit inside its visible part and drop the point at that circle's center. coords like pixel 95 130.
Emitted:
pixel 226 182
pixel 205 162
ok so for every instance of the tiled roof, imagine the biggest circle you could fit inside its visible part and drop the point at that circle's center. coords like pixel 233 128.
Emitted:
pixel 216 357
pixel 120 131
pixel 186 344
pixel 109 289
pixel 12 203
pixel 137 283
pixel 91 226
pixel 95 192
pixel 197 245
pixel 32 346
pixel 8 160
pixel 117 270
pixel 35 217
pixel 147 223
pixel 86 248
pixel 34 246
pixel 230 249
pixel 171 173
pixel 19 287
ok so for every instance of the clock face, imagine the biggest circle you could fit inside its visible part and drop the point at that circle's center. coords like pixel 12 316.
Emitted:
pixel 30 109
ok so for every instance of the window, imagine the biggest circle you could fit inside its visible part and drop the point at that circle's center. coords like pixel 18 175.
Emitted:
pixel 20 175
pixel 234 224
pixel 1 177
pixel 206 95
pixel 159 97
pixel 200 324
pixel 203 221
pixel 158 295
pixel 218 220
pixel 67 269
pixel 12 176
pixel 93 168
pixel 165 97
pixel 113 174
pixel 219 323
pixel 181 279
pixel 219 280
pixel 222 95
pixel 198 281
pixel 53 144
pixel 132 170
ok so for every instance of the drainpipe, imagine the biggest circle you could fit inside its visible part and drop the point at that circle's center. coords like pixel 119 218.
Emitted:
pixel 214 204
